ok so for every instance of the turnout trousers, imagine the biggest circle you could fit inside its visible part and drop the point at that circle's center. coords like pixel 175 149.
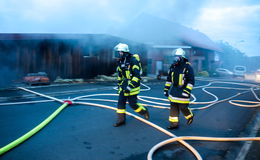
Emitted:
pixel 175 111
pixel 121 108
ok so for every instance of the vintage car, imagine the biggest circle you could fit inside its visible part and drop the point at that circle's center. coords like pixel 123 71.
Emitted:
pixel 39 78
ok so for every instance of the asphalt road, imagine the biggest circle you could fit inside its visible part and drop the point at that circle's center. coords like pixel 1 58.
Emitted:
pixel 83 132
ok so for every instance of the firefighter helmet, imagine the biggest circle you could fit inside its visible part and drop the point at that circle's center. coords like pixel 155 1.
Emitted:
pixel 121 50
pixel 121 47
pixel 180 52
pixel 179 56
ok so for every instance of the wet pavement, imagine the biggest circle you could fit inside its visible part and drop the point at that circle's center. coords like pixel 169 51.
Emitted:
pixel 86 132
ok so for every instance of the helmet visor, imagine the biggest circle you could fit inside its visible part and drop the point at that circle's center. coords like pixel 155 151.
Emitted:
pixel 117 54
pixel 176 59
pixel 120 54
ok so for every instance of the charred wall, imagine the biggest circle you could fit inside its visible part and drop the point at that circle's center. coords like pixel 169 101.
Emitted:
pixel 80 56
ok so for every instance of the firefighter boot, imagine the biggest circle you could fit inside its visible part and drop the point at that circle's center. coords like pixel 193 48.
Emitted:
pixel 173 125
pixel 145 113
pixel 120 120
pixel 190 120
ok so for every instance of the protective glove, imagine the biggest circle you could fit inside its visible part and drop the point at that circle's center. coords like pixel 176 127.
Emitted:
pixel 118 89
pixel 127 90
pixel 166 93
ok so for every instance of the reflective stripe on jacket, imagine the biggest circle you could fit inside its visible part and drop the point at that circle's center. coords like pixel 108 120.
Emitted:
pixel 180 82
pixel 129 75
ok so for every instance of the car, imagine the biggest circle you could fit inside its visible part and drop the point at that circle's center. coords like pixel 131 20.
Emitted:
pixel 222 72
pixel 239 71
pixel 257 75
pixel 39 78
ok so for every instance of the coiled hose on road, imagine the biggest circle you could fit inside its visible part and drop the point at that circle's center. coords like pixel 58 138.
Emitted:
pixel 159 105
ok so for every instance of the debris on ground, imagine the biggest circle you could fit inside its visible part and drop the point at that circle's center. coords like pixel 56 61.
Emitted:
pixel 61 80
pixel 105 78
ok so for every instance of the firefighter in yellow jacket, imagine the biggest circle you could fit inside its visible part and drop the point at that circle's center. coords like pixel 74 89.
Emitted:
pixel 180 81
pixel 129 77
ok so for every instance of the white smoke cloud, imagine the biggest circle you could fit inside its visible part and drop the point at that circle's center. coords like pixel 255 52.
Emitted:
pixel 40 15
pixel 229 20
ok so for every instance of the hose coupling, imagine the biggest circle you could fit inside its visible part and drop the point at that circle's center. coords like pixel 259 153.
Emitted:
pixel 68 101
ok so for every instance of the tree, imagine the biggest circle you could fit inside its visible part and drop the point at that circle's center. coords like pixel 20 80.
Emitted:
pixel 230 56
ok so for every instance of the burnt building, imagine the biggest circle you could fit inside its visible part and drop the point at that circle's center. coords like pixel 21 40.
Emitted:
pixel 65 55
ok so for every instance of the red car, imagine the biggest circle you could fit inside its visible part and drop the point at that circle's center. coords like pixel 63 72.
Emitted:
pixel 36 78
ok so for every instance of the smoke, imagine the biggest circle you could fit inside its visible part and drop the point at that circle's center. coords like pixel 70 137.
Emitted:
pixel 8 71
pixel 8 76
pixel 183 12
pixel 64 55
pixel 86 16
pixel 220 20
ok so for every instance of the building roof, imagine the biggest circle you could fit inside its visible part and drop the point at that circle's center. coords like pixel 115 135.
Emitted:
pixel 156 31
pixel 92 38
pixel 41 36
pixel 170 46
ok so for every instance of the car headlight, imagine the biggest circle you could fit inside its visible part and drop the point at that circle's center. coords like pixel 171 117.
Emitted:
pixel 258 76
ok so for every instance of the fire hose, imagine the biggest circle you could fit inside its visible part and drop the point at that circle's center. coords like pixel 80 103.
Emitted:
pixel 175 138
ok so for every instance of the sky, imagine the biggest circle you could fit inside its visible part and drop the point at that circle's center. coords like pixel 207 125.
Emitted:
pixel 234 21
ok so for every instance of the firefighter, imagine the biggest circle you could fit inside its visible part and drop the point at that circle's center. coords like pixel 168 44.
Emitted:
pixel 180 81
pixel 129 77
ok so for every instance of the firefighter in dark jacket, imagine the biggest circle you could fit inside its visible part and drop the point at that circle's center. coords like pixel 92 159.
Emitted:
pixel 129 70
pixel 180 81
